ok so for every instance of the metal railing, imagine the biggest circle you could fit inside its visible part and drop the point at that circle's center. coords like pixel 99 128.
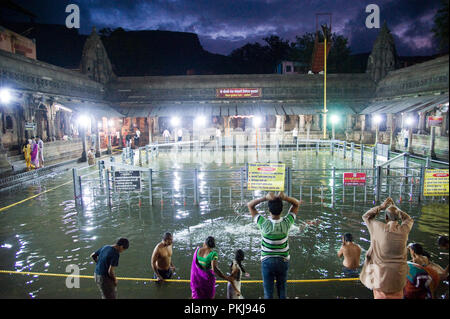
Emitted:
pixel 227 186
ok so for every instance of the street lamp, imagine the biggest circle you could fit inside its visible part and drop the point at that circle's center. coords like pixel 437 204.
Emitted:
pixel 409 123
pixel 5 96
pixel 200 120
pixel 257 120
pixel 377 119
pixel 175 121
pixel 334 120
pixel 84 122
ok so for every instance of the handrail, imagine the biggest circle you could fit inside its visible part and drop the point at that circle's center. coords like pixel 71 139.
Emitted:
pixel 393 159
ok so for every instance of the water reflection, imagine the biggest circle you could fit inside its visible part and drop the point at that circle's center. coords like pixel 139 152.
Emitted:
pixel 54 232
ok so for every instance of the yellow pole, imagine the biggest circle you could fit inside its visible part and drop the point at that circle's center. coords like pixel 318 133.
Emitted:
pixel 325 90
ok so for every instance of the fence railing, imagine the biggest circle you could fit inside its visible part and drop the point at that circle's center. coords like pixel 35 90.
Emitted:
pixel 227 186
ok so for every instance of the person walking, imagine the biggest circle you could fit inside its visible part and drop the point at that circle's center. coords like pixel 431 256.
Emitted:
pixel 179 135
pixel 34 155
pixel 107 259
pixel 162 258
pixel 27 154
pixel 385 268
pixel 40 144
pixel 137 137
pixel 275 240
pixel 166 135
pixel 295 135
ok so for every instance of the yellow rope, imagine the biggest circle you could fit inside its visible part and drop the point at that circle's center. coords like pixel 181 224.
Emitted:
pixel 167 280
pixel 34 196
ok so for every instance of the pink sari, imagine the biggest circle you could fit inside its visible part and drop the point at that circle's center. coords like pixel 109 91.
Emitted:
pixel 203 282
pixel 34 155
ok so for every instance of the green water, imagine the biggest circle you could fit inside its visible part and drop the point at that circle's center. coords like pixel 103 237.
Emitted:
pixel 48 233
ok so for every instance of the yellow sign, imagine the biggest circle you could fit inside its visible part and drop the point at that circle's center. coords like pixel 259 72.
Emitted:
pixel 436 182
pixel 266 177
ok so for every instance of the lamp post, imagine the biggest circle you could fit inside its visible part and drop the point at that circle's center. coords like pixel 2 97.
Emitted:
pixel 334 120
pixel 109 135
pixel 83 121
pixel 377 119
pixel 5 96
pixel 175 121
pixel 410 123
pixel 256 123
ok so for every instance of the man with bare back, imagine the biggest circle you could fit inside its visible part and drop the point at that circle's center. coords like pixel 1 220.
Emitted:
pixel 162 258
pixel 352 254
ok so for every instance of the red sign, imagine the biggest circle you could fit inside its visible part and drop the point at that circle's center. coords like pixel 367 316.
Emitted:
pixel 435 120
pixel 238 93
pixel 354 179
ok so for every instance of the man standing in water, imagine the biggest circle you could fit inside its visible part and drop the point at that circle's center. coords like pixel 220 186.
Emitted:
pixel 385 267
pixel 162 258
pixel 351 253
pixel 107 258
pixel 275 240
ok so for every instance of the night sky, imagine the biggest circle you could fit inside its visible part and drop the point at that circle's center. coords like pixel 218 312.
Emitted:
pixel 224 25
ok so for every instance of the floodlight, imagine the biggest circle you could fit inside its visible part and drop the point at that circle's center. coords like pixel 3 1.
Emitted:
pixel 175 121
pixel 200 120
pixel 377 118
pixel 410 121
pixel 84 120
pixel 334 119
pixel 257 120
pixel 5 96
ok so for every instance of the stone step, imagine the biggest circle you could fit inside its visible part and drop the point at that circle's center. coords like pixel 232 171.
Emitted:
pixel 15 158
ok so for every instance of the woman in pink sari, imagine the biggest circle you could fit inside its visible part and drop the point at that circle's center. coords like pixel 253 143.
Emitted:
pixel 34 154
pixel 203 270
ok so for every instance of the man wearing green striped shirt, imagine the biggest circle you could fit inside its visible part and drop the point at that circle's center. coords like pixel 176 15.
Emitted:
pixel 275 240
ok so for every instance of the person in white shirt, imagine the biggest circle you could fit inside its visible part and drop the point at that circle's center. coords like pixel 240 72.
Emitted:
pixel 166 135
pixel 405 133
pixel 218 136
pixel 137 137
pixel 295 135
pixel 180 134
pixel 40 144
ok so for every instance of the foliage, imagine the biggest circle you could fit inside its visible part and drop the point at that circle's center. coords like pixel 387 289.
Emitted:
pixel 440 27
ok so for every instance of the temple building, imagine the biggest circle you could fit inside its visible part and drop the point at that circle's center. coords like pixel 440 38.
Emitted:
pixel 41 99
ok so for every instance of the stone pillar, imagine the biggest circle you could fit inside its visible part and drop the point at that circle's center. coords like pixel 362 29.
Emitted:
pixel 391 125
pixel 280 123
pixel 155 125
pixel 421 123
pixel 97 137
pixel 301 123
pixel 316 122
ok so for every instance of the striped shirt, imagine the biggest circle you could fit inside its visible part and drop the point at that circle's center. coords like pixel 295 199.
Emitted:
pixel 274 233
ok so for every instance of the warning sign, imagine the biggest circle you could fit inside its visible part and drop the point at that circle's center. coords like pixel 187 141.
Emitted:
pixel 266 176
pixel 354 179
pixel 127 181
pixel 436 182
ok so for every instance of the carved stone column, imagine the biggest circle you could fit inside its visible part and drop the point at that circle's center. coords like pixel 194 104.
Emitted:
pixel 421 129
pixel 301 123
pixel 391 126
pixel 316 123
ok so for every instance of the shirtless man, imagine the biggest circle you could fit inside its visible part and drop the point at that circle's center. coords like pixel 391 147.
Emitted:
pixel 162 258
pixel 351 253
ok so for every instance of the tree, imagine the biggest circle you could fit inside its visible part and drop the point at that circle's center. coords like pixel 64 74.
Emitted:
pixel 252 58
pixel 440 27
pixel 278 49
pixel 338 59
